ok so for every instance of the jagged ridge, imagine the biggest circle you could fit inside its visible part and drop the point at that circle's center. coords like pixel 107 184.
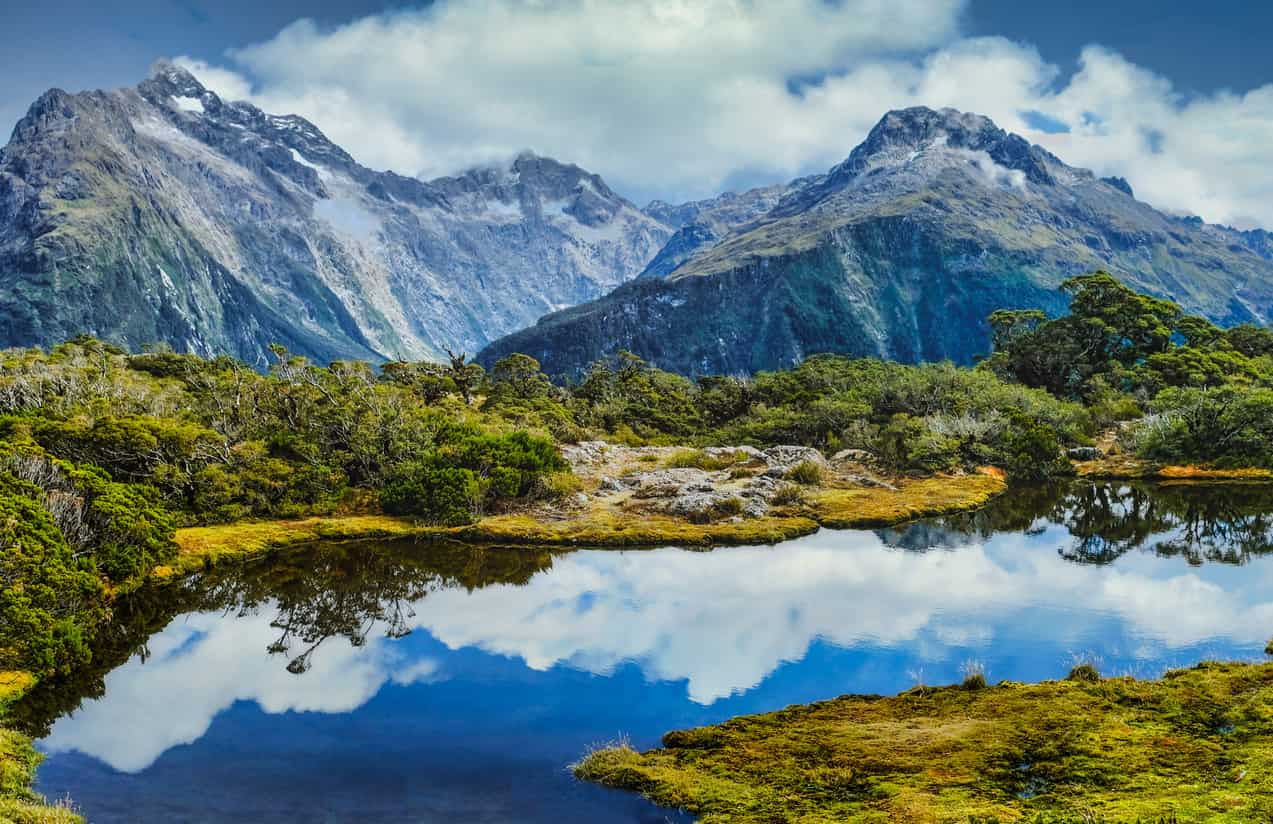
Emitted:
pixel 165 214
pixel 901 251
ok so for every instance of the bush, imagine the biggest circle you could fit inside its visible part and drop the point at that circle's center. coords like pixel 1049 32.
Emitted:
pixel 1084 672
pixel 1032 452
pixel 806 473
pixel 699 459
pixel 438 493
pixel 132 530
pixel 556 486
pixel 51 605
pixel 788 495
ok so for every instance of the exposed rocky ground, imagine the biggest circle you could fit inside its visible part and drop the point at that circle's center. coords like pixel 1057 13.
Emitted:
pixel 715 483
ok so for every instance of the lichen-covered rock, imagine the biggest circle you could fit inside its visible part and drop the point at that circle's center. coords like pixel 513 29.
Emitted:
pixel 853 456
pixel 780 460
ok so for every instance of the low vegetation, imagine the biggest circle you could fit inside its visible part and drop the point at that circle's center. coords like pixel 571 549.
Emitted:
pixel 1195 746
pixel 118 467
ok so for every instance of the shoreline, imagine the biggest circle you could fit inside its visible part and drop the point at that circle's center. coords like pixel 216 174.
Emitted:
pixel 1193 745
pixel 829 507
pixel 1124 468
pixel 832 506
pixel 200 548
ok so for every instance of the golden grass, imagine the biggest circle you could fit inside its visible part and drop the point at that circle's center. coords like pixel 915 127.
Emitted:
pixel 1124 467
pixel 601 526
pixel 857 507
pixel 1195 746
pixel 607 528
pixel 209 545
pixel 13 685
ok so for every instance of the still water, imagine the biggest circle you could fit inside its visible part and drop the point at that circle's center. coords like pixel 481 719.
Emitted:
pixel 449 683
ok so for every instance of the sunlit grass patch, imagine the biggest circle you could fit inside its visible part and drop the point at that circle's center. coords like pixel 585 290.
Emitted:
pixel 1195 746
pixel 859 507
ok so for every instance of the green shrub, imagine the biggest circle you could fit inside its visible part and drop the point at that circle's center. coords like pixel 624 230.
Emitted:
pixel 51 604
pixel 1032 452
pixel 1084 672
pixel 434 491
pixel 806 473
pixel 788 495
pixel 559 485
pixel 132 528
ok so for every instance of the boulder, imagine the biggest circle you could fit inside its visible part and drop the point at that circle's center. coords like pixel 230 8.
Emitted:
pixel 855 456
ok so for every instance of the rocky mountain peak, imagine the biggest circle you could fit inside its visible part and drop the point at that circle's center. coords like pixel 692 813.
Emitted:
pixel 164 213
pixel 903 135
pixel 173 80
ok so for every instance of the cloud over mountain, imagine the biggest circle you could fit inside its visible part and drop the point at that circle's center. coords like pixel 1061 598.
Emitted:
pixel 678 99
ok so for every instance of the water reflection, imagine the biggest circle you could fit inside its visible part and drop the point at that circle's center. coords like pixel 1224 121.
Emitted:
pixel 473 647
pixel 1223 523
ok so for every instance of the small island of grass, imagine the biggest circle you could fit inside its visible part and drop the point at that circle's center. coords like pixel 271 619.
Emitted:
pixel 1194 746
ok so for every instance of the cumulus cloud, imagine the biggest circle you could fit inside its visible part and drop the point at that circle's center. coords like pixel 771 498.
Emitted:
pixel 678 98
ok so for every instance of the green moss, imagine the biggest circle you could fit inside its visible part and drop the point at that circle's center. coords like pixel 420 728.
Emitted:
pixel 20 804
pixel 1194 746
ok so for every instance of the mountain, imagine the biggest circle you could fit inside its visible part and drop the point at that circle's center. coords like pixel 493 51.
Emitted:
pixel 704 222
pixel 901 251
pixel 162 213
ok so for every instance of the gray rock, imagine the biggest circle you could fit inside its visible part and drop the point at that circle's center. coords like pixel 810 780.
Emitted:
pixel 857 456
pixel 609 484
pixel 1084 453
pixel 665 483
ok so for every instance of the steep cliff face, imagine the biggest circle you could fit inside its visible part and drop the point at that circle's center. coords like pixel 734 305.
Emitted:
pixel 901 251
pixel 164 214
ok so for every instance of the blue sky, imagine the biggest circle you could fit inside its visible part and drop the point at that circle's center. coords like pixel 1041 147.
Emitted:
pixel 678 98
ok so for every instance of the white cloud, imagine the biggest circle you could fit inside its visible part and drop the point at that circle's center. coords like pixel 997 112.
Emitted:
pixel 202 664
pixel 676 97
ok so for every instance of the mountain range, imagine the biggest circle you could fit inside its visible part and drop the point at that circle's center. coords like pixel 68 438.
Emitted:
pixel 901 252
pixel 164 214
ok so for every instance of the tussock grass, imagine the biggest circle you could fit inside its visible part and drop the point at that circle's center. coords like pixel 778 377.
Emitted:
pixel 699 459
pixel 1195 746
pixel 806 473
pixel 1123 467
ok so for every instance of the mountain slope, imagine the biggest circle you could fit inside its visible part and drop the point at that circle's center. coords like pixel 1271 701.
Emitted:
pixel 901 251
pixel 164 214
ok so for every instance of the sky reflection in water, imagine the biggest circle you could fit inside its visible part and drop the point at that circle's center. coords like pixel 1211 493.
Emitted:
pixel 508 669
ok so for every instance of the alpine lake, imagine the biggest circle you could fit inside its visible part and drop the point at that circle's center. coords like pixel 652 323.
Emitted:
pixel 448 682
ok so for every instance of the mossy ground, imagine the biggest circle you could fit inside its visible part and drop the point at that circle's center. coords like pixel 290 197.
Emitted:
pixel 1128 468
pixel 604 525
pixel 1195 746
pixel 858 507
pixel 19 804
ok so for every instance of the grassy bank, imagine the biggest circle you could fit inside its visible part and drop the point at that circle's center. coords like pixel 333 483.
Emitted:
pixel 840 508
pixel 1196 745
pixel 1122 467
pixel 18 759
